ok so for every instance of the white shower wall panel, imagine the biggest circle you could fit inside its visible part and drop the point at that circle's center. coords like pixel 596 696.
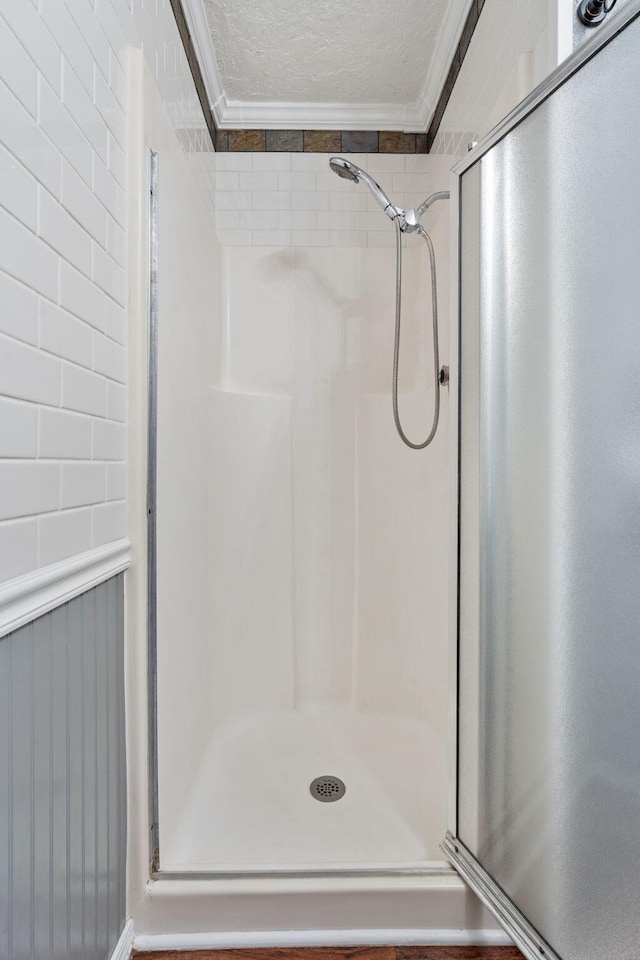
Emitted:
pixel 251 575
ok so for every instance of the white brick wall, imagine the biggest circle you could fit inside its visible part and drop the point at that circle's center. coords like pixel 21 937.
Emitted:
pixel 63 178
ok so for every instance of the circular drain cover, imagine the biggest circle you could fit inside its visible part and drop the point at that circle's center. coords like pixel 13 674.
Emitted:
pixel 327 789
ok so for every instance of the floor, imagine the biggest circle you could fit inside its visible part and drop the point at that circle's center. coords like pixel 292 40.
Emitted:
pixel 347 953
pixel 250 803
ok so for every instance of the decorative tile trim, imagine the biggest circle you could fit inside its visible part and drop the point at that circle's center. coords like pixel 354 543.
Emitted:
pixel 320 141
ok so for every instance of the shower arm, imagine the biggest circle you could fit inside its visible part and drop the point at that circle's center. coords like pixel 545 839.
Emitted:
pixel 411 218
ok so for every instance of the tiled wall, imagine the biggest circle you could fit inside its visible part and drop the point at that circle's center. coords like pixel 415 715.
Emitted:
pixel 293 199
pixel 63 177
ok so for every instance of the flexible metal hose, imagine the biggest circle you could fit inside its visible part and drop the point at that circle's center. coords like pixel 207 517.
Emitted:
pixel 396 346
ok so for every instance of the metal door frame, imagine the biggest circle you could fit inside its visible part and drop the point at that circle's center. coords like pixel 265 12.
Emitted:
pixel 524 935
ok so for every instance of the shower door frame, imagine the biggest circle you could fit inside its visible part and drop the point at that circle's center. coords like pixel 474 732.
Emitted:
pixel 434 868
pixel 524 935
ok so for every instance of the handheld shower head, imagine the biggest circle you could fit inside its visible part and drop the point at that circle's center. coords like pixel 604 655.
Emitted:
pixel 349 171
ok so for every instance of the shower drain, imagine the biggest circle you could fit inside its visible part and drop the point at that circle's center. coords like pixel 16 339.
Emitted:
pixel 327 789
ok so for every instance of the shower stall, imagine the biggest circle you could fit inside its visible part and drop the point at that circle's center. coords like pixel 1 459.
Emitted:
pixel 301 594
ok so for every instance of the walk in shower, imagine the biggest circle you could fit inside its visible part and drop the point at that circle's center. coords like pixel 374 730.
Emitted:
pixel 301 591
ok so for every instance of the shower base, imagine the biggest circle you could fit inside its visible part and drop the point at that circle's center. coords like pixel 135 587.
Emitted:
pixel 250 806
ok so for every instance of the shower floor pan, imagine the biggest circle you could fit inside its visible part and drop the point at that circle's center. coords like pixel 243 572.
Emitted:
pixel 251 809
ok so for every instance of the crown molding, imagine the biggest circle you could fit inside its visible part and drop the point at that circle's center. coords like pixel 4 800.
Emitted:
pixel 269 115
pixel 456 14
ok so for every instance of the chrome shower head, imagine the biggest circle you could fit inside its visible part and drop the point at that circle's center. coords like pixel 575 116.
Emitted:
pixel 344 169
pixel 349 171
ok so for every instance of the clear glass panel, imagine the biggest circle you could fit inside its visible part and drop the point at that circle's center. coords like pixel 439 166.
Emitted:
pixel 550 551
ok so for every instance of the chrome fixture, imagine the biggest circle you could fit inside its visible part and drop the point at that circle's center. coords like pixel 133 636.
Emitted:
pixel 405 221
pixel 349 171
pixel 593 12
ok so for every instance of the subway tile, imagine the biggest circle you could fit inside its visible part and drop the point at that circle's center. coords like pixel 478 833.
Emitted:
pixel 64 335
pixel 82 484
pixel 116 243
pixel 271 161
pixel 28 374
pixel 348 238
pixel 18 548
pixel 271 238
pixel 418 163
pixel 380 238
pixel 348 200
pixel 116 481
pixel 335 220
pixel 236 200
pixel 71 43
pixel 83 390
pixel 386 163
pixel 233 162
pixel 297 220
pixel 63 233
pixel 310 238
pixel 228 180
pixel 18 190
pixel 64 534
pixel 109 522
pixel 296 181
pixel 312 200
pixel 109 109
pixel 18 429
pixel 290 141
pixel 60 127
pixel 322 141
pixel 415 182
pixel 259 219
pixel 19 312
pixel 259 181
pixel 109 357
pixel 117 160
pixel 272 200
pixel 82 297
pixel 309 162
pixel 109 440
pixel 31 31
pixel 25 257
pixel 84 112
pixel 23 137
pixel 28 487
pixel 371 220
pixel 108 192
pixel 108 275
pixel 93 35
pixel 359 141
pixel 116 401
pixel 17 69
pixel 82 204
pixel 63 435
pixel 116 321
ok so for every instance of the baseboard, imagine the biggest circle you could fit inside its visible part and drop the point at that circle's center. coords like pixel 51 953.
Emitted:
pixel 320 938
pixel 124 947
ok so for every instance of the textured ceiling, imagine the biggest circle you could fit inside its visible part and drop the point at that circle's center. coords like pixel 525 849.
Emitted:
pixel 324 51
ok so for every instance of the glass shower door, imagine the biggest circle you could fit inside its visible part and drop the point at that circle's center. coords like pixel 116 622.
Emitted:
pixel 548 812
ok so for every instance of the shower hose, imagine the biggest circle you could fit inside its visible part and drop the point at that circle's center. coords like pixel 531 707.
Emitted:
pixel 396 346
